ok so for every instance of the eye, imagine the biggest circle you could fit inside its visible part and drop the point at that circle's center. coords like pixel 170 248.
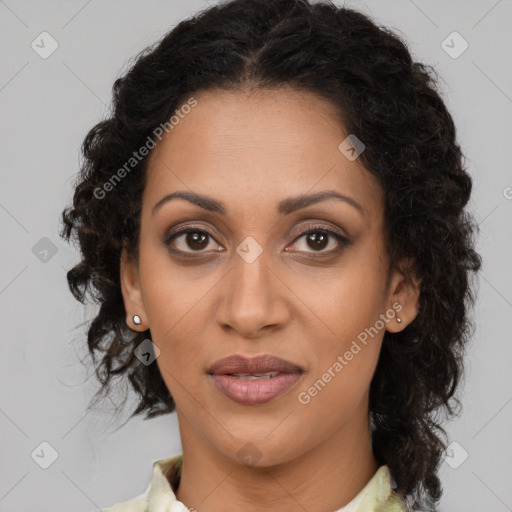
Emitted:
pixel 195 238
pixel 318 238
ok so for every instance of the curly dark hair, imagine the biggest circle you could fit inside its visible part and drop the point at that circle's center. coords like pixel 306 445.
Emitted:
pixel 384 98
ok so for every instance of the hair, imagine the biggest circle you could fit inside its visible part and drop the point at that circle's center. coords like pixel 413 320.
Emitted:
pixel 385 99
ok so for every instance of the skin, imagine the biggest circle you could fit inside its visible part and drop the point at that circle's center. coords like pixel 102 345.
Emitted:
pixel 251 150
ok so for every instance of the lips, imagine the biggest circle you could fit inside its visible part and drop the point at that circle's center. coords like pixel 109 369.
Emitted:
pixel 256 380
pixel 240 365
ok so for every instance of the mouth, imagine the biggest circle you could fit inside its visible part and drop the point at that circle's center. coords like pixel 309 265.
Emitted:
pixel 263 366
pixel 253 376
pixel 253 381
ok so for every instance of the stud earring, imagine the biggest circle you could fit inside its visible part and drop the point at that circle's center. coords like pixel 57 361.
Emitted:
pixel 397 319
pixel 137 320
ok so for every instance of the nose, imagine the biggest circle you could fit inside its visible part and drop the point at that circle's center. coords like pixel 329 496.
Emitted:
pixel 253 297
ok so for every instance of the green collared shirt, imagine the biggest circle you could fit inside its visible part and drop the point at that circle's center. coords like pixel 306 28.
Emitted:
pixel 376 496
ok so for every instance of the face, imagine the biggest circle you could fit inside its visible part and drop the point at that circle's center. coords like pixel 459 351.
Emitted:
pixel 244 277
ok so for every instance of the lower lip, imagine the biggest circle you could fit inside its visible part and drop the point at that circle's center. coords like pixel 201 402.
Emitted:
pixel 253 392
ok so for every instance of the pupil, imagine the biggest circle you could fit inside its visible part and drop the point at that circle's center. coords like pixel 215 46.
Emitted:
pixel 318 237
pixel 195 240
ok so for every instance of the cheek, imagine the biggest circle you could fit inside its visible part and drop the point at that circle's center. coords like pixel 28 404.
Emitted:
pixel 340 383
pixel 177 330
pixel 180 339
pixel 181 363
pixel 173 296
pixel 350 300
pixel 350 306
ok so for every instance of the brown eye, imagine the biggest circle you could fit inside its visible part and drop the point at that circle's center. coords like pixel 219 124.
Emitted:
pixel 189 240
pixel 317 239
pixel 195 240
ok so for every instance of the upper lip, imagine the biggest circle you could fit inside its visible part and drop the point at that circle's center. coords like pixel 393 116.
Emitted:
pixel 236 364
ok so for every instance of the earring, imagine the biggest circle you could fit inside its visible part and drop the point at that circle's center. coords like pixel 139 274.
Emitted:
pixel 137 320
pixel 398 319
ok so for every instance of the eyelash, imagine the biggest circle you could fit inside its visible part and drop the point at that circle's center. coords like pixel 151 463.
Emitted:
pixel 343 241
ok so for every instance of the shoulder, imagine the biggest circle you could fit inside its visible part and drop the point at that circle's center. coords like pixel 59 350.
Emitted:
pixel 137 504
pixel 166 477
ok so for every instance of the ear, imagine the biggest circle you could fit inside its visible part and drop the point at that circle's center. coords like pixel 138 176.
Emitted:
pixel 404 292
pixel 132 295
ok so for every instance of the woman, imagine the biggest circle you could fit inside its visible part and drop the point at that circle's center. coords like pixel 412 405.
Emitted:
pixel 273 223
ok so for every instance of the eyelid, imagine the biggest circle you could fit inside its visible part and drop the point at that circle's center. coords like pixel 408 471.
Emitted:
pixel 182 230
pixel 343 240
pixel 318 226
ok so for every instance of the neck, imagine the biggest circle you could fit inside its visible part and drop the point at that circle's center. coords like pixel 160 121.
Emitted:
pixel 324 478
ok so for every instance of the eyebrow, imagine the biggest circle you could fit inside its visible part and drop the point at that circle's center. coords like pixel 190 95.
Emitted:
pixel 284 207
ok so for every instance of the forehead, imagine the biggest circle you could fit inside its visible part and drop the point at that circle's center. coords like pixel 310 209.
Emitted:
pixel 251 149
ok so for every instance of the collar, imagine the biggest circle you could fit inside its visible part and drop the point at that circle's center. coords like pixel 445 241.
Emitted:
pixel 376 496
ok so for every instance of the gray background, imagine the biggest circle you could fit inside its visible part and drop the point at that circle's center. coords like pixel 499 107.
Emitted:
pixel 47 107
